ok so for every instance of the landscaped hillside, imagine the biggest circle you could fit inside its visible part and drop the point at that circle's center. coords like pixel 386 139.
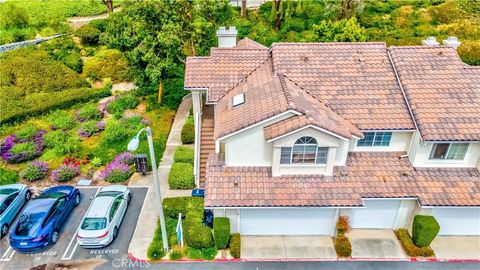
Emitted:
pixel 399 22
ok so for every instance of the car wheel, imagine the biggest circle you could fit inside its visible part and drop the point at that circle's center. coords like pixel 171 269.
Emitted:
pixel 115 231
pixel 77 199
pixel 129 198
pixel 55 236
pixel 28 195
pixel 4 229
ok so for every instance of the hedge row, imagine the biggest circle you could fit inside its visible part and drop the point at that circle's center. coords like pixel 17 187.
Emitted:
pixel 221 231
pixel 424 230
pixel 188 131
pixel 37 103
pixel 184 154
pixel 181 176
pixel 410 248
pixel 235 245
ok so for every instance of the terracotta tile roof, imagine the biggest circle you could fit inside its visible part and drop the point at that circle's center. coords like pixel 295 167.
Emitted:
pixel 356 80
pixel 443 92
pixel 268 94
pixel 367 175
pixel 251 44
pixel 314 113
pixel 224 68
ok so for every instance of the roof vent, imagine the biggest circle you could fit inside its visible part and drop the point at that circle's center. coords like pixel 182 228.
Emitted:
pixel 238 100
pixel 452 42
pixel 430 42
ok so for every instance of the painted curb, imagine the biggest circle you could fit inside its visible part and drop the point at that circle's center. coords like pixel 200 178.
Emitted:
pixel 132 257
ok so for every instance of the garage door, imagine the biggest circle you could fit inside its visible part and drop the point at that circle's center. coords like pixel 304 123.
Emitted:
pixel 286 221
pixel 458 221
pixel 377 214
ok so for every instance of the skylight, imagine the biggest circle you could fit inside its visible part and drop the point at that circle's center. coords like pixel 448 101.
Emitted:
pixel 238 100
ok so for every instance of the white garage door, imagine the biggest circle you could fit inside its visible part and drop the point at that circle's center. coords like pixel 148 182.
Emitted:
pixel 286 221
pixel 458 221
pixel 377 214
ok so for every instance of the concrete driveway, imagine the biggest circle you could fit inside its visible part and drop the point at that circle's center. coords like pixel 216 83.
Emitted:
pixel 375 244
pixel 456 247
pixel 287 247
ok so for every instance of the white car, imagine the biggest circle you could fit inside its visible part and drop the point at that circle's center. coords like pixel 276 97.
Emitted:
pixel 102 221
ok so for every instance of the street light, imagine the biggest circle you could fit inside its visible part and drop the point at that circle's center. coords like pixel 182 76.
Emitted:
pixel 132 146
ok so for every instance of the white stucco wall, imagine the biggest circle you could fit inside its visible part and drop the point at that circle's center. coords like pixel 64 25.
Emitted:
pixel 400 141
pixel 420 157
pixel 249 147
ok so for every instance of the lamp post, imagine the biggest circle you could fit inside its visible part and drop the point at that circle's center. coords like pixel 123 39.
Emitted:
pixel 132 146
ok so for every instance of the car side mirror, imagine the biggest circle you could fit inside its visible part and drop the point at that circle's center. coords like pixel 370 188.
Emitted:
pixel 91 198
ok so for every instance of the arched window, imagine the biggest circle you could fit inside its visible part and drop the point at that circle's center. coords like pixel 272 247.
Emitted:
pixel 304 151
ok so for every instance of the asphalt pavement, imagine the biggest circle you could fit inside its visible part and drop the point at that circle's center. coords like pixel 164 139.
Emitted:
pixel 67 249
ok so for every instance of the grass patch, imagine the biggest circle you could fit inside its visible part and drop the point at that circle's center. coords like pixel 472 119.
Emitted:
pixel 410 248
pixel 8 176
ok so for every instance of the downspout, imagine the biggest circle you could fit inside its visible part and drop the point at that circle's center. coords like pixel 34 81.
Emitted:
pixel 403 93
pixel 196 161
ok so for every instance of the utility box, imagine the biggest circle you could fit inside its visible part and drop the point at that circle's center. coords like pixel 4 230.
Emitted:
pixel 141 164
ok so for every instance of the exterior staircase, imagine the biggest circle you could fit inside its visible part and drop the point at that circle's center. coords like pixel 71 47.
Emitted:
pixel 207 142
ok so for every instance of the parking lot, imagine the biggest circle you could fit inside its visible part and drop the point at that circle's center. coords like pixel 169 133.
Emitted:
pixel 67 249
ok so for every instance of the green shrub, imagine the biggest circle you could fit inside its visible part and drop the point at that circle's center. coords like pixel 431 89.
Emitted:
pixel 108 63
pixel 155 251
pixel 198 235
pixel 122 103
pixel 89 112
pixel 184 155
pixel 37 73
pixel 181 176
pixel 410 248
pixel 90 128
pixel 8 176
pixel 221 231
pixel 176 254
pixel 27 150
pixel 173 92
pixel 89 34
pixel 14 109
pixel 72 146
pixel 27 133
pixel 343 246
pixel 424 230
pixel 114 133
pixel 194 209
pixel 235 245
pixel 61 120
pixel 188 131
pixel 343 225
pixel 55 138
pixel 201 253
pixel 175 205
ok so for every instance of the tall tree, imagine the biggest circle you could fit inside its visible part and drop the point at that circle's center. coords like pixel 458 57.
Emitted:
pixel 109 5
pixel 244 9
pixel 277 13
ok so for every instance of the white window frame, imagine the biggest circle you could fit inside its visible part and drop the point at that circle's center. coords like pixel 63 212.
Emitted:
pixel 374 137
pixel 434 146
pixel 304 164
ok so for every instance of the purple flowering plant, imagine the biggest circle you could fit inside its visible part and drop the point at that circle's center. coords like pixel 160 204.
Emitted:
pixel 35 170
pixel 15 149
pixel 65 172
pixel 118 170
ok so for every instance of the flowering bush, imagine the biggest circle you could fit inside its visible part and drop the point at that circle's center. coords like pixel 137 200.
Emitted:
pixel 118 170
pixel 35 170
pixel 91 128
pixel 65 172
pixel 22 146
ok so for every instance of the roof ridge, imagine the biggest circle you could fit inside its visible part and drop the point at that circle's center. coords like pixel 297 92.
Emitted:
pixel 244 78
pixel 290 104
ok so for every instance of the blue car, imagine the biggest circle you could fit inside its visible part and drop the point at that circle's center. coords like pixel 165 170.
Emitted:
pixel 12 199
pixel 41 221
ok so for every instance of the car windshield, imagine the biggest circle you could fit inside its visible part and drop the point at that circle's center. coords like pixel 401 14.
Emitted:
pixel 7 191
pixel 52 195
pixel 92 224
pixel 29 223
pixel 109 193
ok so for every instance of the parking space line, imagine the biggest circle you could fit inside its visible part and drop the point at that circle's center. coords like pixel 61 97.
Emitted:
pixel 74 237
pixel 5 257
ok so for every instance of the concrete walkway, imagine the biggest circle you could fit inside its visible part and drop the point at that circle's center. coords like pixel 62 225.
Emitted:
pixel 373 244
pixel 147 221
pixel 456 247
pixel 288 247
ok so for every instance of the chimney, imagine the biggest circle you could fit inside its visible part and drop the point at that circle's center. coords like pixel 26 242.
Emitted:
pixel 452 42
pixel 430 42
pixel 227 37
